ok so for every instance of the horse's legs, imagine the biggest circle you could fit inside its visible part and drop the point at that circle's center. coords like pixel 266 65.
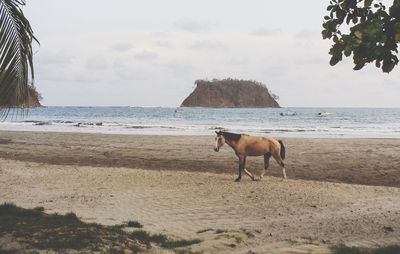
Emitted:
pixel 247 172
pixel 266 164
pixel 242 164
pixel 278 159
pixel 242 161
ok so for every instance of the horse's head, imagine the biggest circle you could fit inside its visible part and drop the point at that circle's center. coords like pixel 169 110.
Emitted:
pixel 219 140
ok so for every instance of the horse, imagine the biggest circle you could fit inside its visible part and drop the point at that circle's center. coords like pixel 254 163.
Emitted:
pixel 245 145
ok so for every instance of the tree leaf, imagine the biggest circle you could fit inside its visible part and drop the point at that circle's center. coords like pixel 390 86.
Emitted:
pixel 367 3
pixel 16 58
pixel 358 34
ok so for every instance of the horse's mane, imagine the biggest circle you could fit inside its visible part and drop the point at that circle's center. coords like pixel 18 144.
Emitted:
pixel 231 136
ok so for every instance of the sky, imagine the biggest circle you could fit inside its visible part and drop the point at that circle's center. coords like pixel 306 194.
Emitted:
pixel 150 52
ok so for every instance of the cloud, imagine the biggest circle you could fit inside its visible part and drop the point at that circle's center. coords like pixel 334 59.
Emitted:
pixel 193 26
pixel 209 45
pixel 60 57
pixel 180 67
pixel 126 71
pixel 84 77
pixel 122 47
pixel 164 44
pixel 160 34
pixel 146 55
pixel 308 34
pixel 238 61
pixel 96 63
pixel 69 74
pixel 264 32
pixel 313 60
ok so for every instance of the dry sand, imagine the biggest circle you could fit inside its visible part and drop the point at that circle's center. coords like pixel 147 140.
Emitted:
pixel 105 179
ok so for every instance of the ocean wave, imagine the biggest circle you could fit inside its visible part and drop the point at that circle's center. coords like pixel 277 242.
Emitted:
pixel 137 127
pixel 288 130
pixel 86 124
pixel 37 122
pixel 44 123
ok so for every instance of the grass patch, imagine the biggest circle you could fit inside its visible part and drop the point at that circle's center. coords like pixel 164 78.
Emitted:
pixel 2 251
pixel 53 232
pixel 162 240
pixel 238 239
pixel 221 231
pixel 204 230
pixel 134 224
pixel 187 252
pixel 39 208
pixel 179 243
pixel 247 233
pixel 342 249
pixel 39 231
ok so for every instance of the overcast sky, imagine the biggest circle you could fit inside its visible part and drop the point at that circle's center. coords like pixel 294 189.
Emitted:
pixel 150 52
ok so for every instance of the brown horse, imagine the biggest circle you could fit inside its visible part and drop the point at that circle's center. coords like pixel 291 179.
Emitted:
pixel 246 145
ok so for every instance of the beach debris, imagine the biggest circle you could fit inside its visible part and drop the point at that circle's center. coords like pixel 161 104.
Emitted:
pixel 388 229
pixel 232 245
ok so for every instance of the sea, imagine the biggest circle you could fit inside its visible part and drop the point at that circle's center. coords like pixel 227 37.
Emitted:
pixel 277 122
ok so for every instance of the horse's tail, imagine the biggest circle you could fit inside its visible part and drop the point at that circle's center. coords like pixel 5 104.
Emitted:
pixel 283 150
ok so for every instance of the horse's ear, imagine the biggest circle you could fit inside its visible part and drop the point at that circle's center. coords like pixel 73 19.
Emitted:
pixel 216 132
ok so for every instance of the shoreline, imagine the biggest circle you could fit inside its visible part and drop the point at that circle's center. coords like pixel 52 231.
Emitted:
pixel 184 131
pixel 372 161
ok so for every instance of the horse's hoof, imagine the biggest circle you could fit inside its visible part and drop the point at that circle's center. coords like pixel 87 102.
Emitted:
pixel 237 180
pixel 256 179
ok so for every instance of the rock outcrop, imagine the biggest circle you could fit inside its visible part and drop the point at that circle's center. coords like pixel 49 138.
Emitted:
pixel 230 93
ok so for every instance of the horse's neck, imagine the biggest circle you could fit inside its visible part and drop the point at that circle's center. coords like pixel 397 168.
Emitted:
pixel 232 144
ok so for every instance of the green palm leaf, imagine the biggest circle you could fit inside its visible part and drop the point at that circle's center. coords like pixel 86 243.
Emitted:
pixel 16 64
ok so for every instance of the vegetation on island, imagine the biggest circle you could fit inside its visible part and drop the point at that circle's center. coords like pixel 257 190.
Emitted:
pixel 230 93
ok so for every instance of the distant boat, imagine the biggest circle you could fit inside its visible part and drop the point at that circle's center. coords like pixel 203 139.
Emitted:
pixel 288 113
pixel 325 113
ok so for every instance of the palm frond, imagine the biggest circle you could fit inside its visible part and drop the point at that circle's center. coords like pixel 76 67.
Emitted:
pixel 16 58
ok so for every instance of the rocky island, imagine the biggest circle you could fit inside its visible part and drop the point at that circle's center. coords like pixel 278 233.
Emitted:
pixel 230 93
pixel 33 100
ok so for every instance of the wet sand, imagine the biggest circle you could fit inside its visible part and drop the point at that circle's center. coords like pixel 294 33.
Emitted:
pixel 360 161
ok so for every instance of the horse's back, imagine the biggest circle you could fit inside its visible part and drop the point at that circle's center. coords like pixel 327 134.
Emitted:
pixel 256 145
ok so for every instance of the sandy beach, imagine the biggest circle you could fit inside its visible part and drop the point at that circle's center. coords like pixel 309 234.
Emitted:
pixel 339 191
